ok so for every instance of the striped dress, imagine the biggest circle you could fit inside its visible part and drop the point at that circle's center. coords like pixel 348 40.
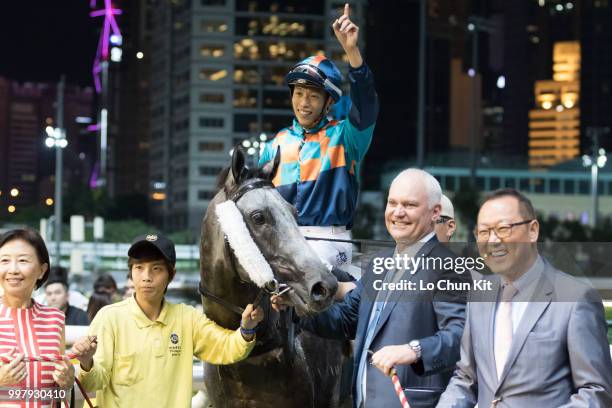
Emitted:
pixel 35 331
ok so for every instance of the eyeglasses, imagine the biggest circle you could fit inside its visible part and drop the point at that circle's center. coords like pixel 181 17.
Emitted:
pixel 501 230
pixel 443 219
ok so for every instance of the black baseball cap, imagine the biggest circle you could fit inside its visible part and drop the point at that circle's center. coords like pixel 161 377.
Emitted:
pixel 159 242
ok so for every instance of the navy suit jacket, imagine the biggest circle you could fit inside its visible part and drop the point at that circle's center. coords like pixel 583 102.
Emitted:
pixel 435 318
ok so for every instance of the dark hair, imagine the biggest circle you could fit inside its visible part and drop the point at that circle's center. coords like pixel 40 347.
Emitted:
pixel 525 207
pixel 96 302
pixel 58 274
pixel 105 281
pixel 35 240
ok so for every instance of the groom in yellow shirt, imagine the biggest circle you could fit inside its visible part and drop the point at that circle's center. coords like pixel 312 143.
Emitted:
pixel 146 344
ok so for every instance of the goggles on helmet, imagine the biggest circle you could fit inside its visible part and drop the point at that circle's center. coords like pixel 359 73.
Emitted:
pixel 318 75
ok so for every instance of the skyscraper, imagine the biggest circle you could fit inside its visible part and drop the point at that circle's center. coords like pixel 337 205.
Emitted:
pixel 130 140
pixel 25 163
pixel 531 28
pixel 554 124
pixel 596 73
pixel 217 78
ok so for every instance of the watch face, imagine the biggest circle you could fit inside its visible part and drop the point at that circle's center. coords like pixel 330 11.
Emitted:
pixel 414 343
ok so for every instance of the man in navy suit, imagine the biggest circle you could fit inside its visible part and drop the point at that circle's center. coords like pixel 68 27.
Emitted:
pixel 417 332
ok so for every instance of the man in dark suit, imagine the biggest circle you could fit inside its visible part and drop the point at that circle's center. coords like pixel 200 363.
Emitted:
pixel 417 332
pixel 543 342
pixel 56 294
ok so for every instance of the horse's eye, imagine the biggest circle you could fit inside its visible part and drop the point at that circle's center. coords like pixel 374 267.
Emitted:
pixel 258 217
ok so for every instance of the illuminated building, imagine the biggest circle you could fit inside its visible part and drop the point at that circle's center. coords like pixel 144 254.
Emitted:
pixel 554 125
pixel 217 72
pixel 26 108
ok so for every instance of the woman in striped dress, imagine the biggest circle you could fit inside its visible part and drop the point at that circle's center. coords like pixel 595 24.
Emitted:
pixel 31 335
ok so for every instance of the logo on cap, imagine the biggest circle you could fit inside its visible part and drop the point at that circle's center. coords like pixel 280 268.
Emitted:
pixel 151 238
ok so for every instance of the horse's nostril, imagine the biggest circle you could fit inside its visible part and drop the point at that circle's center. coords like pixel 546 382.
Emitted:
pixel 318 292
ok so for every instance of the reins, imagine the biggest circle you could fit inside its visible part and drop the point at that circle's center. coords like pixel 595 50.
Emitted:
pixel 271 288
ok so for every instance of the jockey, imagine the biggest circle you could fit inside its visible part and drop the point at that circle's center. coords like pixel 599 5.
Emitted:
pixel 320 158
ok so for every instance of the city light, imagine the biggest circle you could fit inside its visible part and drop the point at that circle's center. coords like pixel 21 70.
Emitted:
pixel 110 35
pixel 246 143
pixel 560 108
pixel 49 201
pixel 158 196
pixel 116 39
pixel 218 75
pixel 501 82
pixel 116 54
pixel 82 119
pixel 546 105
pixel 596 160
pixel 14 192
pixel 139 55
pixel 263 137
pixel 471 72
pixel 55 138
pixel 12 209
pixel 471 27
pixel 601 160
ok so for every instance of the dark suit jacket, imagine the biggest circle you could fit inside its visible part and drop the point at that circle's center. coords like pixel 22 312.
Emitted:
pixel 435 319
pixel 76 317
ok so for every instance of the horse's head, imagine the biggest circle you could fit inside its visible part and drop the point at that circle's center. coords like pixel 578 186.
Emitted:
pixel 272 224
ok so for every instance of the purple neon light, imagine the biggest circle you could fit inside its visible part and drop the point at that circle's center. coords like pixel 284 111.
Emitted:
pixel 109 28
pixel 93 127
pixel 95 174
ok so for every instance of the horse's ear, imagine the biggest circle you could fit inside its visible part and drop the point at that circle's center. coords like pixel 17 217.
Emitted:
pixel 270 168
pixel 237 164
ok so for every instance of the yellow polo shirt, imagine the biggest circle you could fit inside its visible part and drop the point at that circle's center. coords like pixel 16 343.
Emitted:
pixel 141 363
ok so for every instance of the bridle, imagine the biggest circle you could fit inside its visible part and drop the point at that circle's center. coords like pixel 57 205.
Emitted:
pixel 274 288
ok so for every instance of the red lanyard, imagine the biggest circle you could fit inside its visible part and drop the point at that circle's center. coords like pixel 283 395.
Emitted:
pixel 54 358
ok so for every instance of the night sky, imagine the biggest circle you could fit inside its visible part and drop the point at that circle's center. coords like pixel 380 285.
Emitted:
pixel 41 39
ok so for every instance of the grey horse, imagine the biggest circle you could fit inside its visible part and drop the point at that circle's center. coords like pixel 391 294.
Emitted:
pixel 287 368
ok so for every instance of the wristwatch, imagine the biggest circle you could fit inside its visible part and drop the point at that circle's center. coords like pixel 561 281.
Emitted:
pixel 415 345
